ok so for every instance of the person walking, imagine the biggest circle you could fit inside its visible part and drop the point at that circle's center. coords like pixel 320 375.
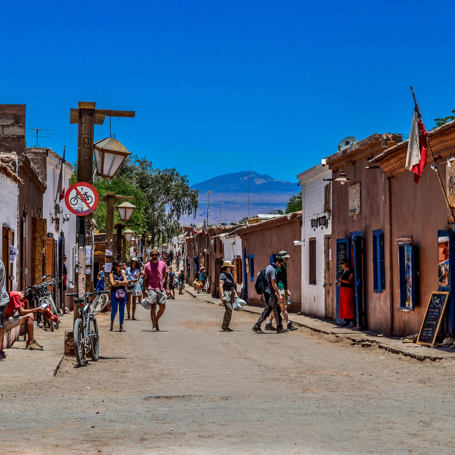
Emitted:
pixel 202 277
pixel 133 272
pixel 271 296
pixel 118 282
pixel 228 293
pixel 181 282
pixel 155 274
pixel 346 285
pixel 282 285
pixel 171 283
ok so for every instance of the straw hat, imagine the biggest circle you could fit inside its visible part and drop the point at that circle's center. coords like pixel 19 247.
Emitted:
pixel 227 264
pixel 284 254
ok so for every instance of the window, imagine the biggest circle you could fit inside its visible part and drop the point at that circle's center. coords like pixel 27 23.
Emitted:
pixel 327 199
pixel 312 260
pixel 408 277
pixel 378 261
pixel 251 267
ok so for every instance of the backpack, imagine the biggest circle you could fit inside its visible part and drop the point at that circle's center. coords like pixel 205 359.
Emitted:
pixel 261 282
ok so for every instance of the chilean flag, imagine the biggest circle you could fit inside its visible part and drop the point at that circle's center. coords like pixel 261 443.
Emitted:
pixel 417 146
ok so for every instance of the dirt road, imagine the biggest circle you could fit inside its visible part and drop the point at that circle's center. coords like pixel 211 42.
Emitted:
pixel 192 389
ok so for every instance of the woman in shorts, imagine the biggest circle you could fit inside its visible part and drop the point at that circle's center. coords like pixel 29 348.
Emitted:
pixel 133 273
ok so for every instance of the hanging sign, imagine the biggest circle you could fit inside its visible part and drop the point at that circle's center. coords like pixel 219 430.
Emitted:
pixel 450 184
pixel 81 198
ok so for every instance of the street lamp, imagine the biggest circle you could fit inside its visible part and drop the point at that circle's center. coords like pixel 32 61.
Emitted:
pixel 125 210
pixel 128 235
pixel 110 154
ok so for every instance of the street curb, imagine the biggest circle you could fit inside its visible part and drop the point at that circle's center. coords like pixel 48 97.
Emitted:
pixel 356 338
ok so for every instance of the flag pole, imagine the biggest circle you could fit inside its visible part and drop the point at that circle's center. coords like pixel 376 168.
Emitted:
pixel 451 219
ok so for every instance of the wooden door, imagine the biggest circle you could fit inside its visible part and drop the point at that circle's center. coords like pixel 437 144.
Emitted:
pixel 328 285
pixel 7 241
pixel 49 257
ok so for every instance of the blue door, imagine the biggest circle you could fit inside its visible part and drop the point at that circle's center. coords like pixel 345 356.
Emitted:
pixel 342 254
pixel 358 267
pixel 196 266
pixel 446 271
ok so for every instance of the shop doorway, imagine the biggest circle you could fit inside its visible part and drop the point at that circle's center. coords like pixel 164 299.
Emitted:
pixel 357 254
pixel 343 252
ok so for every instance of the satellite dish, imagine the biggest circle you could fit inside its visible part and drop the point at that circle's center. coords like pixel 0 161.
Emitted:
pixel 346 143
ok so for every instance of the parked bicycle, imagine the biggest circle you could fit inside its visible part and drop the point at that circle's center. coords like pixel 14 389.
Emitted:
pixel 39 295
pixel 85 330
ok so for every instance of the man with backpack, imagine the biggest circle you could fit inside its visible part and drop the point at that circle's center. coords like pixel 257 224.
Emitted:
pixel 266 283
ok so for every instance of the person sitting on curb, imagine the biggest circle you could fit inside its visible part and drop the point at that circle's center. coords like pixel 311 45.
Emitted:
pixel 16 314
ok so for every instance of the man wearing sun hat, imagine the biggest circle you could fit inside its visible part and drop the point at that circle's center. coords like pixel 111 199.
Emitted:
pixel 283 291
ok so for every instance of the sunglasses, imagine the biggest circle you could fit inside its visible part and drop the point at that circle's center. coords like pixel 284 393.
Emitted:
pixel 154 255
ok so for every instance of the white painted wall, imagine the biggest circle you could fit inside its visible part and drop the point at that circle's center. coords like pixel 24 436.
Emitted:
pixel 69 227
pixel 9 212
pixel 232 250
pixel 313 296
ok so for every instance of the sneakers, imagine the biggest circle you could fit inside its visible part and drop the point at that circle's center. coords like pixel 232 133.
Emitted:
pixel 269 326
pixel 226 329
pixel 257 329
pixel 292 327
pixel 281 330
pixel 34 346
pixel 2 355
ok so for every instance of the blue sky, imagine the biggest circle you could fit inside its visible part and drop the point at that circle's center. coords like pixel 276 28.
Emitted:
pixel 218 86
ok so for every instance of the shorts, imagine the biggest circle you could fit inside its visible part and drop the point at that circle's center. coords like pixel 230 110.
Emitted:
pixel 155 296
pixel 12 321
pixel 284 295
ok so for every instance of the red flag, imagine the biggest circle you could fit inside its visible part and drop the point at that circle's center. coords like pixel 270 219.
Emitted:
pixel 417 145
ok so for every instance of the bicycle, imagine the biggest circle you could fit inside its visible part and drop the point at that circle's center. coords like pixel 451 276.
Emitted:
pixel 77 198
pixel 39 295
pixel 85 330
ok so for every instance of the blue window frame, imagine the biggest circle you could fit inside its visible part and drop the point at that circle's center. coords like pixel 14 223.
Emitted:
pixel 251 267
pixel 378 261
pixel 408 276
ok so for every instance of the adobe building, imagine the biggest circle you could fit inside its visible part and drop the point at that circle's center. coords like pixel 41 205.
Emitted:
pixel 260 241
pixel 361 230
pixel 31 225
pixel 420 253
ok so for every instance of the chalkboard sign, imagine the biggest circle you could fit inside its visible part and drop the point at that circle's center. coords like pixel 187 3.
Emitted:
pixel 342 254
pixel 433 317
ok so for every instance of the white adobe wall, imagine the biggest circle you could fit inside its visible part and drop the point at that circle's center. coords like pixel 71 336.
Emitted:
pixel 9 212
pixel 313 296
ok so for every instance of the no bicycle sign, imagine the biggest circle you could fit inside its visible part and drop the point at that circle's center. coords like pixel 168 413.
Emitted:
pixel 81 198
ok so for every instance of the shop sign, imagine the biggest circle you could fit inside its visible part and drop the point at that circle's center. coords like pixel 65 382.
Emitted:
pixel 354 199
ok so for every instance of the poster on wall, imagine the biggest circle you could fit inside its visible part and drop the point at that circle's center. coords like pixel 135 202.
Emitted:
pixel 450 184
pixel 354 199
pixel 443 261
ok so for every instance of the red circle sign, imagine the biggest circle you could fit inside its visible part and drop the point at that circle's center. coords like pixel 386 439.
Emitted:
pixel 81 198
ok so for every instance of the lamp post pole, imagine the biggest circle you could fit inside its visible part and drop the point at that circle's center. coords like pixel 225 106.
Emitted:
pixel 111 198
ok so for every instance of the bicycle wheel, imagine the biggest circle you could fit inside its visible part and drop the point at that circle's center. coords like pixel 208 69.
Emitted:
pixel 94 339
pixel 79 343
pixel 100 302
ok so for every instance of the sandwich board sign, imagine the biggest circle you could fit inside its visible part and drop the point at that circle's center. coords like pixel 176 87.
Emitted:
pixel 81 199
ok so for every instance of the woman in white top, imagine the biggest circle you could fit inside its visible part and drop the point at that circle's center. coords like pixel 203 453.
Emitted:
pixel 133 273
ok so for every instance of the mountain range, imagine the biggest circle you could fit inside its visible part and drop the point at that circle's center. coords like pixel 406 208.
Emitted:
pixel 235 196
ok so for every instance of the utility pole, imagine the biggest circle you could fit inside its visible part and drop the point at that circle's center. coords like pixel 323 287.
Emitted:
pixel 87 116
pixel 208 206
